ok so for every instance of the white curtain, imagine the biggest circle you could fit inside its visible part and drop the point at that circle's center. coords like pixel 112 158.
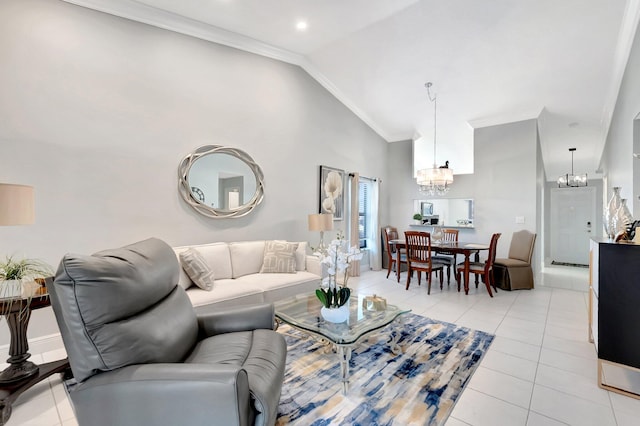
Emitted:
pixel 354 237
pixel 375 259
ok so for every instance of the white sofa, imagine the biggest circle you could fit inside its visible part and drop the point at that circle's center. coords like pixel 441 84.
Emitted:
pixel 237 278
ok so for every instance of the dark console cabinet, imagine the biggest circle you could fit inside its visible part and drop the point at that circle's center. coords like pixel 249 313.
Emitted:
pixel 615 314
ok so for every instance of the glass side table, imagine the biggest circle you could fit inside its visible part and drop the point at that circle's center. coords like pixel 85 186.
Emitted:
pixel 302 312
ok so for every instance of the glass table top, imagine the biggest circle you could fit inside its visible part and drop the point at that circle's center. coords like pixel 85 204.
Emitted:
pixel 303 312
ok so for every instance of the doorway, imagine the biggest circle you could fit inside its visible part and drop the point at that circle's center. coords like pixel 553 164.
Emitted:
pixel 573 223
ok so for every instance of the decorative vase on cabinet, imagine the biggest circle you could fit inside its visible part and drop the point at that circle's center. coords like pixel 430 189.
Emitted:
pixel 624 216
pixel 611 213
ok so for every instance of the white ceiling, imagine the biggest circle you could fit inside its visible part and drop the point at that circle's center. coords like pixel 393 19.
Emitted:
pixel 491 61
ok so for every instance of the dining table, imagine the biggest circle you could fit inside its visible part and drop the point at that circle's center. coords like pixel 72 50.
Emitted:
pixel 449 247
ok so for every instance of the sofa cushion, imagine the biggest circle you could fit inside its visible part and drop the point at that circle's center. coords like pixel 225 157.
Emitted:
pixel 279 257
pixel 242 293
pixel 279 286
pixel 196 267
pixel 218 258
pixel 246 258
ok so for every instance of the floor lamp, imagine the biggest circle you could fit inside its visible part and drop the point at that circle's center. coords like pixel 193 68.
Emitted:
pixel 321 222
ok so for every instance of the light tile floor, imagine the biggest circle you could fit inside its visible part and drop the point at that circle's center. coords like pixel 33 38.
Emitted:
pixel 540 369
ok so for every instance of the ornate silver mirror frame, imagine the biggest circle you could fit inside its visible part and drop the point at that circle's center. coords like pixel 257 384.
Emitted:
pixel 194 196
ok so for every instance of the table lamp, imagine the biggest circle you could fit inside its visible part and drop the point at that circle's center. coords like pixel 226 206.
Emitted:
pixel 321 222
pixel 16 204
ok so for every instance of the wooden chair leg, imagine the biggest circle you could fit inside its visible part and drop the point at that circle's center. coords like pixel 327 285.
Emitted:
pixel 419 277
pixel 428 282
pixel 408 278
pixel 398 269
pixel 487 284
pixel 448 275
pixel 441 277
pixel 391 262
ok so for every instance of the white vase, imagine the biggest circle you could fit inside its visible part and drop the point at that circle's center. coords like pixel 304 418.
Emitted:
pixel 437 234
pixel 336 315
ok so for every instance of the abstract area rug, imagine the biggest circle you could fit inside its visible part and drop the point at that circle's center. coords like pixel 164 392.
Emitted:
pixel 417 387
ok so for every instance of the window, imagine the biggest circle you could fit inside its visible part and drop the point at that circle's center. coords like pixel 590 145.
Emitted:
pixel 364 210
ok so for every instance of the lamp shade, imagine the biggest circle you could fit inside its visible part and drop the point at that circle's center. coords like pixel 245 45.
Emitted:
pixel 321 222
pixel 16 204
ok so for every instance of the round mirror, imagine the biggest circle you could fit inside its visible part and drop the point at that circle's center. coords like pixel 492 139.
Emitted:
pixel 221 182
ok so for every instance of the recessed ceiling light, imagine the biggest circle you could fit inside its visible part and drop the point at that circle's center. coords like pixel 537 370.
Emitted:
pixel 301 25
pixel 574 124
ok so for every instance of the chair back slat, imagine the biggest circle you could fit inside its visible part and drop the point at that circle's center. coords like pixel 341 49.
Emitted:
pixel 418 246
pixel 449 235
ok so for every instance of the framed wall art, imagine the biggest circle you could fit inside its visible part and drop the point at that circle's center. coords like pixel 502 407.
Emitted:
pixel 332 192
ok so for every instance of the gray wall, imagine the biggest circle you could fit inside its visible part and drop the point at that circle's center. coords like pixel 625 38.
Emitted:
pixel 96 112
pixel 504 184
pixel 618 163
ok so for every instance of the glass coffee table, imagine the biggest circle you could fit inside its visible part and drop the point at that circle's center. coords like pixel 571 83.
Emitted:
pixel 302 312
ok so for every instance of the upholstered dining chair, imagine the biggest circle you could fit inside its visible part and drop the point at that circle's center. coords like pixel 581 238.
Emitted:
pixel 483 268
pixel 419 259
pixel 515 273
pixel 391 233
pixel 444 257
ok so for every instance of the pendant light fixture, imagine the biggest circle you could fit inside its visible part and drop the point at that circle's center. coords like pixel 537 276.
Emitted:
pixel 437 180
pixel 571 180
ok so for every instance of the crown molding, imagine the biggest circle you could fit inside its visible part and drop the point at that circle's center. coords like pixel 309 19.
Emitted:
pixel 135 11
pixel 313 71
pixel 511 117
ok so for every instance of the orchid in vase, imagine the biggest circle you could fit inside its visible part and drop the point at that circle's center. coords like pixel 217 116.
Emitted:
pixel 337 258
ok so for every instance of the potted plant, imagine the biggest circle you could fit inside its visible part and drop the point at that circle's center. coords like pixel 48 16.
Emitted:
pixel 16 276
pixel 334 298
pixel 418 218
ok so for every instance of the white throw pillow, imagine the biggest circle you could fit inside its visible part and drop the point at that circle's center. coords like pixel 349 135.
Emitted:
pixel 196 267
pixel 279 257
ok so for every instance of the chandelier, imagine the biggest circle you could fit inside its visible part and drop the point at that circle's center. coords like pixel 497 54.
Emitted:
pixel 571 180
pixel 437 180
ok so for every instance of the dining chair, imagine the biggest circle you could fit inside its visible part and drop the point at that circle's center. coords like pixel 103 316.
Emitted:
pixel 419 259
pixel 446 257
pixel 514 272
pixel 483 268
pixel 391 233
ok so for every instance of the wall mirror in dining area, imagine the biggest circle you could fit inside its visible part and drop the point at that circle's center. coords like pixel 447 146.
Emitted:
pixel 451 212
pixel 221 182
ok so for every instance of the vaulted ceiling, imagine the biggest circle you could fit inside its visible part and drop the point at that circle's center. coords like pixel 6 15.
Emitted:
pixel 491 61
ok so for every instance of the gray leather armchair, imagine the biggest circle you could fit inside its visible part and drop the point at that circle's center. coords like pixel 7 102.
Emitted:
pixel 141 356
